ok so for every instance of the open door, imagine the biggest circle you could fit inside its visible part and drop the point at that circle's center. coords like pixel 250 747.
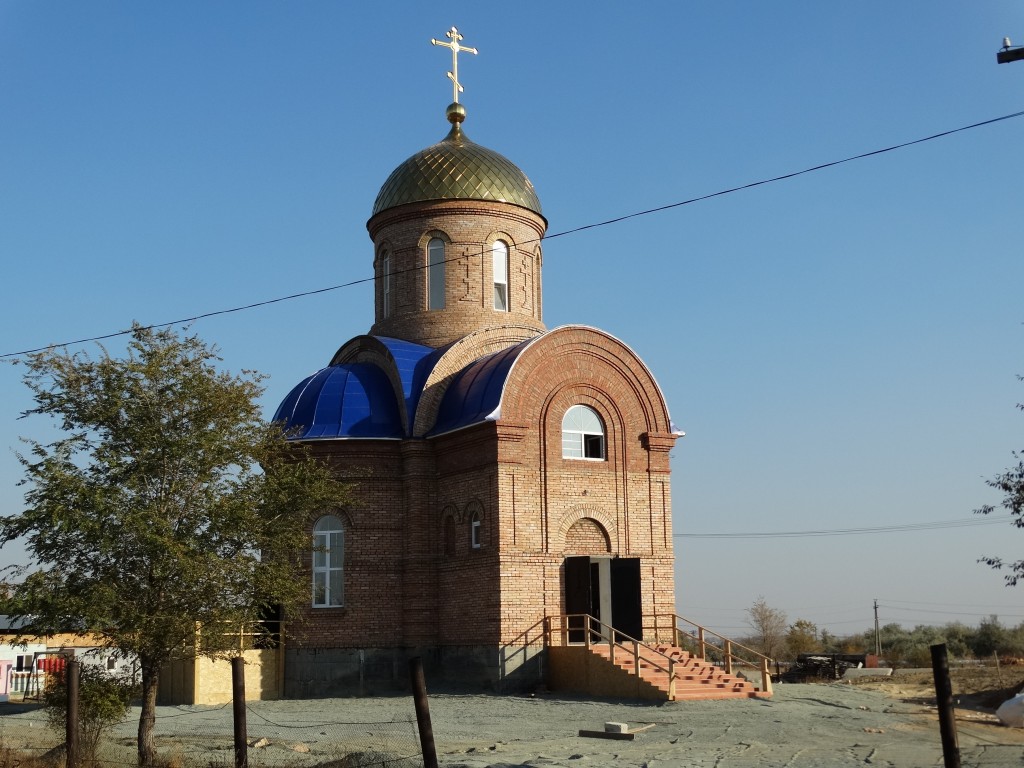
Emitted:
pixel 578 597
pixel 607 589
pixel 627 612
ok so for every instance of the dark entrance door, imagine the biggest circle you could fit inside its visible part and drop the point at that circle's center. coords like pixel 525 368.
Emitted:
pixel 617 581
pixel 627 615
pixel 578 595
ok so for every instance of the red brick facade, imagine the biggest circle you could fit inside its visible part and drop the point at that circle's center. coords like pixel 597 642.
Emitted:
pixel 457 541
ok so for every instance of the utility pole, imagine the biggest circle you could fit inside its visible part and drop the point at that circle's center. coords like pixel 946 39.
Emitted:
pixel 1009 52
pixel 878 637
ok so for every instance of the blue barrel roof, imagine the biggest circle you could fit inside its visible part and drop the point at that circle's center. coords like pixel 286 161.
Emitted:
pixel 351 400
pixel 475 393
pixel 414 362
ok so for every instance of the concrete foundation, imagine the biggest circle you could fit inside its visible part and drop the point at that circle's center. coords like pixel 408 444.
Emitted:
pixel 321 673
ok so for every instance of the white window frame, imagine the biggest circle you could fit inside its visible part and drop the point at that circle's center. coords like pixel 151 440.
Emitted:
pixel 328 563
pixel 499 264
pixel 474 531
pixel 435 273
pixel 583 435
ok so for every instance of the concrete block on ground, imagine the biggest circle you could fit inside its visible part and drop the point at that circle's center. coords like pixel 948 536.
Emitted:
pixel 867 672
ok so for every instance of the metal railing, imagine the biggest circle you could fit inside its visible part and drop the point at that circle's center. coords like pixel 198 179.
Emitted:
pixel 710 646
pixel 583 629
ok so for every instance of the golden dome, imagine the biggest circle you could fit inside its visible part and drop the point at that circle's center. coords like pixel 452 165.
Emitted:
pixel 456 169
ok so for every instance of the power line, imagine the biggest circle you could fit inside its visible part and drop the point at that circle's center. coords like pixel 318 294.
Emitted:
pixel 575 230
pixel 950 613
pixel 954 605
pixel 960 523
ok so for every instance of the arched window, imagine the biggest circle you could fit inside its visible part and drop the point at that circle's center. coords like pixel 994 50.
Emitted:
pixel 435 274
pixel 385 284
pixel 499 256
pixel 475 537
pixel 328 562
pixel 582 434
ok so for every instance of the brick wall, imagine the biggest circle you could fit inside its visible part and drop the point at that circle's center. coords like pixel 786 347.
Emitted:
pixel 468 228
pixel 413 578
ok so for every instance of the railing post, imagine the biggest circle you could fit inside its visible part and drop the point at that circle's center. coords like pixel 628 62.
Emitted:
pixel 672 679
pixel 727 647
pixel 636 658
pixel 766 676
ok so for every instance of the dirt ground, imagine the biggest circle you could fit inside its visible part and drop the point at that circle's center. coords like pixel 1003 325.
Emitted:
pixel 873 722
pixel 976 688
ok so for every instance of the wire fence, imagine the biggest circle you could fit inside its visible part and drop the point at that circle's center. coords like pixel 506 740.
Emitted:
pixel 280 734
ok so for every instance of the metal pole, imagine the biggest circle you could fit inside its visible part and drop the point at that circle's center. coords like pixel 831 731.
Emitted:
pixel 238 709
pixel 944 699
pixel 71 680
pixel 878 637
pixel 419 697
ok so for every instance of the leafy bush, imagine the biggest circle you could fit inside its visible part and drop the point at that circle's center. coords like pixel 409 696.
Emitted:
pixel 103 701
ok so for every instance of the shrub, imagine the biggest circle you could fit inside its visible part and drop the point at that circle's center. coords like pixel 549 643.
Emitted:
pixel 103 701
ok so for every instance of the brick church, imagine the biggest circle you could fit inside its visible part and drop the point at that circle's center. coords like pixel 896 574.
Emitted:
pixel 504 474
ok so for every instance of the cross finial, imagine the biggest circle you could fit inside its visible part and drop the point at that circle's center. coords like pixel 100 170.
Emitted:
pixel 454 37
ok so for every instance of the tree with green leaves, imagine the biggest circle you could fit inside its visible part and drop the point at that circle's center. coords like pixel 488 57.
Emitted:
pixel 1011 484
pixel 802 637
pixel 165 504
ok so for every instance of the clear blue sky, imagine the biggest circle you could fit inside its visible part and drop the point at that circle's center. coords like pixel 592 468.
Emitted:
pixel 841 348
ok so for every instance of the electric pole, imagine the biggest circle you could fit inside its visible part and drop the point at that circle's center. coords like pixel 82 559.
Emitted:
pixel 878 637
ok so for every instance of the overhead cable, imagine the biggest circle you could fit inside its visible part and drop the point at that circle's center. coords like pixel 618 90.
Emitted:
pixel 959 523
pixel 575 230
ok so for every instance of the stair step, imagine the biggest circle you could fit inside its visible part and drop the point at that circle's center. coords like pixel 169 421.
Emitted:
pixel 694 678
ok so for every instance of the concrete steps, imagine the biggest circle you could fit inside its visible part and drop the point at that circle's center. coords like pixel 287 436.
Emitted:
pixel 694 678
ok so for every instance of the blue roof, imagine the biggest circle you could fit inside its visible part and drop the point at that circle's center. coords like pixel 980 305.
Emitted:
pixel 414 362
pixel 358 399
pixel 351 400
pixel 475 393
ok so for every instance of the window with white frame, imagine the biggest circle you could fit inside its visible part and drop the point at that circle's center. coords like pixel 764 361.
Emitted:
pixel 582 434
pixel 435 274
pixel 385 283
pixel 328 562
pixel 474 530
pixel 499 256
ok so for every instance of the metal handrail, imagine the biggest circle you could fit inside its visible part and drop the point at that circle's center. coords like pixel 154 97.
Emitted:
pixel 608 635
pixel 726 648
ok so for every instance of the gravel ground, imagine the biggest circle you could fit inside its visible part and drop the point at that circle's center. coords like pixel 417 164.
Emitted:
pixel 802 725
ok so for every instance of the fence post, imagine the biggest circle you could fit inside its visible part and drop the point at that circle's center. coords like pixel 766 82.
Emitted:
pixel 71 679
pixel 238 709
pixel 419 699
pixel 944 700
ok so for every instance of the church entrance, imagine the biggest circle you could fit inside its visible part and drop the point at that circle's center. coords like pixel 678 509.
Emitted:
pixel 607 588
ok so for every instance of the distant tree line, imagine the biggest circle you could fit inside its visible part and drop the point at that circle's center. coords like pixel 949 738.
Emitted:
pixel 774 636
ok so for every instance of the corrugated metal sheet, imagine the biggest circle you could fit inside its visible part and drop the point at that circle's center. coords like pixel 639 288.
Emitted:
pixel 413 362
pixel 353 400
pixel 475 393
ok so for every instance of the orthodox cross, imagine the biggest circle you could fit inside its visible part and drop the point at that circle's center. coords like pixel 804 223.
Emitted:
pixel 454 36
